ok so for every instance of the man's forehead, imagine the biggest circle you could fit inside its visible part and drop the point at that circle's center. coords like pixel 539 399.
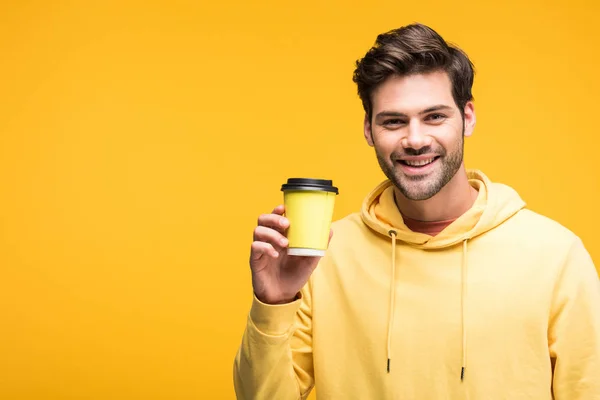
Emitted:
pixel 413 93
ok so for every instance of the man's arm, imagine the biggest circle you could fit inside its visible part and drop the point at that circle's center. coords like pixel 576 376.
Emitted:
pixel 275 360
pixel 574 331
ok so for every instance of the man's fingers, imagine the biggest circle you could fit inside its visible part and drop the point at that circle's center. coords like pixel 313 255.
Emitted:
pixel 279 210
pixel 275 238
pixel 274 221
pixel 262 249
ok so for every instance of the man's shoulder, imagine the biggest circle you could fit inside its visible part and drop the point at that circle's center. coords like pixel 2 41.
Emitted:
pixel 350 225
pixel 349 220
pixel 349 231
pixel 534 225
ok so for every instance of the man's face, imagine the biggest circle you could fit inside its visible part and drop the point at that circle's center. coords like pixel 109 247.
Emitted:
pixel 418 132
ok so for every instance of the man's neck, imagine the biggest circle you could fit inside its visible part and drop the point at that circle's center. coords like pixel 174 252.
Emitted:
pixel 451 202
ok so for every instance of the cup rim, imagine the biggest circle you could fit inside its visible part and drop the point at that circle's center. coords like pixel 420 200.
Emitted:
pixel 309 184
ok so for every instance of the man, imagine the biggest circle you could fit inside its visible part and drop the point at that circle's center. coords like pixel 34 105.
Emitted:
pixel 443 286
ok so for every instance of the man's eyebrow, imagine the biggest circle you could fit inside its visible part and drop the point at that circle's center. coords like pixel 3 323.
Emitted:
pixel 439 107
pixel 390 114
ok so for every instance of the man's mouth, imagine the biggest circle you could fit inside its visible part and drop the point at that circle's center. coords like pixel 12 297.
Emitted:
pixel 418 163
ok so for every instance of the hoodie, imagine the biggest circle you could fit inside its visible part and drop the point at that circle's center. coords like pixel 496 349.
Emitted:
pixel 504 303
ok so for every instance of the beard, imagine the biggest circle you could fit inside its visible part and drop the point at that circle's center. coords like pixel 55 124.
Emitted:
pixel 423 187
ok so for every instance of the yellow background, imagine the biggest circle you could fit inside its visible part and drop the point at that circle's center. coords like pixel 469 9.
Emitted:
pixel 139 141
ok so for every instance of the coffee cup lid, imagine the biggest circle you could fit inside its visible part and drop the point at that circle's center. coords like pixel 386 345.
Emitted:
pixel 309 184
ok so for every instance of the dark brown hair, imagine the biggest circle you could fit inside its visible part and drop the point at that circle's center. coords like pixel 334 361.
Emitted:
pixel 413 49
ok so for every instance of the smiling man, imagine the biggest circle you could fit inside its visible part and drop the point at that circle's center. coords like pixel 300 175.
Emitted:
pixel 418 133
pixel 443 286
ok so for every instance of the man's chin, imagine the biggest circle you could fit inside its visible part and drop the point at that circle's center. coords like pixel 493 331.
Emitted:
pixel 418 196
pixel 415 190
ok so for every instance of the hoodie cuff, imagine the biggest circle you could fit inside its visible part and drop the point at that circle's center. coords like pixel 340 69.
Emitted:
pixel 274 319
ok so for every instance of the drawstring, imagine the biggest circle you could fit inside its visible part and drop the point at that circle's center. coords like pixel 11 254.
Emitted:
pixel 463 299
pixel 392 298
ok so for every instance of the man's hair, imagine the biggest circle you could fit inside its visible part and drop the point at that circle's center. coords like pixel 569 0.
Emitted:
pixel 413 49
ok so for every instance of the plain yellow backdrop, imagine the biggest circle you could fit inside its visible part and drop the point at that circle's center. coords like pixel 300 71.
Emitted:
pixel 139 142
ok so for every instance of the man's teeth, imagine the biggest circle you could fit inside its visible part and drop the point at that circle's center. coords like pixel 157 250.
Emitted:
pixel 419 163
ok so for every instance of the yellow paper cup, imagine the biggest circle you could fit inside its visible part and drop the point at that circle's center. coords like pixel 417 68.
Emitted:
pixel 309 207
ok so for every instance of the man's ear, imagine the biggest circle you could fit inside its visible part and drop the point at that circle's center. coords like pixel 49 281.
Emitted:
pixel 368 131
pixel 469 118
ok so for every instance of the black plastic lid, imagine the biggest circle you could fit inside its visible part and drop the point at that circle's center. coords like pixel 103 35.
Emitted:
pixel 309 184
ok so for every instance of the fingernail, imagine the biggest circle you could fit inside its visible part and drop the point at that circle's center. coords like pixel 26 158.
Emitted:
pixel 283 222
pixel 283 242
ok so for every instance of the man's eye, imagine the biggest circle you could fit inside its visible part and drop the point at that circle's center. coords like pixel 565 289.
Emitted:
pixel 436 117
pixel 393 122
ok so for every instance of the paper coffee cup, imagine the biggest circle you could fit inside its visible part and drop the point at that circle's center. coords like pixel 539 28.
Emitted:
pixel 309 205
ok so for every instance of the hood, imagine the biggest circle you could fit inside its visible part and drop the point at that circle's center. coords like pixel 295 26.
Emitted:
pixel 495 204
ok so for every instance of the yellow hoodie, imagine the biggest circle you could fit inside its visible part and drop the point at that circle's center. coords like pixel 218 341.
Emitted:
pixel 502 304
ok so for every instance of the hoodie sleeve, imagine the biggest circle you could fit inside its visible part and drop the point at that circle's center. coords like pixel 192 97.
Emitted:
pixel 275 360
pixel 574 331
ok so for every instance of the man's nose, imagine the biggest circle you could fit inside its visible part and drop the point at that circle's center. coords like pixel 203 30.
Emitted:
pixel 416 137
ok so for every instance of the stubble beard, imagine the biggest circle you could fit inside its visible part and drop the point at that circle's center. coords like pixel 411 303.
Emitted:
pixel 423 187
